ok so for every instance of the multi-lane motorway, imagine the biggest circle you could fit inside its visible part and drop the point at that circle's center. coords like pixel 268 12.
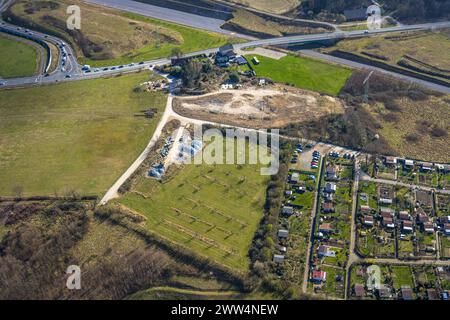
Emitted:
pixel 69 70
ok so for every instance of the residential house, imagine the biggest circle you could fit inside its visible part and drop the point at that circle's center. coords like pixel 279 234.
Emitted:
pixel 432 294
pixel 443 220
pixel 240 60
pixel 385 201
pixel 390 160
pixel 447 229
pixel 368 221
pixel 330 187
pixel 359 290
pixel 325 228
pixel 366 209
pixel 287 210
pixel 443 168
pixel 330 173
pixel 361 271
pixel 387 212
pixel 328 197
pixel 426 166
pixel 385 195
pixel 407 226
pixel 319 276
pixel 388 223
pixel 295 177
pixel 327 207
pixel 226 50
pixel 428 227
pixel 384 292
pixel 404 215
pixel 282 233
pixel 278 258
pixel 408 164
pixel 325 251
pixel 407 293
pixel 422 217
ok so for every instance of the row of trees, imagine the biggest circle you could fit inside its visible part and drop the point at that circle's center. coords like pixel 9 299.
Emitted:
pixel 36 252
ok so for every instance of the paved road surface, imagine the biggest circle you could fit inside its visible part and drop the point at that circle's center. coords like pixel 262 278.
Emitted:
pixel 180 17
pixel 73 73
pixel 365 177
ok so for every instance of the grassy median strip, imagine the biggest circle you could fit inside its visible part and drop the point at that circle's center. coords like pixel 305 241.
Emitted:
pixel 73 137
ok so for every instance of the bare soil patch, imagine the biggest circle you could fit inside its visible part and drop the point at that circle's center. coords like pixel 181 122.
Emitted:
pixel 269 107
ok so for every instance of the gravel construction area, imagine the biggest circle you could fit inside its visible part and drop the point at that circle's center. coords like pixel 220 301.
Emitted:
pixel 265 107
pixel 277 55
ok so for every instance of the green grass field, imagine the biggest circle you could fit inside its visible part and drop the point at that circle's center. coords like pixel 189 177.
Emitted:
pixel 17 59
pixel 402 276
pixel 78 136
pixel 213 210
pixel 304 73
pixel 193 40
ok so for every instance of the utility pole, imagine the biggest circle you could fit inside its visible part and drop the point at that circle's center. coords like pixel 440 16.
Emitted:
pixel 366 87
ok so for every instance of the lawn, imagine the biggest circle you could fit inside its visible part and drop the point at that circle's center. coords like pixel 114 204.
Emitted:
pixel 369 246
pixel 402 276
pixel 78 136
pixel 99 42
pixel 405 248
pixel 304 73
pixel 369 189
pixel 17 58
pixel 211 210
pixel 445 246
pixel 333 287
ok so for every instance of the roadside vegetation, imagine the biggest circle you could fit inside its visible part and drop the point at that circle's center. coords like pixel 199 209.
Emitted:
pixel 41 239
pixel 99 41
pixel 410 121
pixel 18 58
pixel 404 10
pixel 419 53
pixel 303 73
pixel 249 23
pixel 272 6
pixel 75 137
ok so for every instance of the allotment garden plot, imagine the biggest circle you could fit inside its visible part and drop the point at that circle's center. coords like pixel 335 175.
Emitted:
pixel 332 234
pixel 211 210
pixel 400 282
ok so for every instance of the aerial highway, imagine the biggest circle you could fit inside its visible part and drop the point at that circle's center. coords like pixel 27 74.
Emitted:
pixel 70 70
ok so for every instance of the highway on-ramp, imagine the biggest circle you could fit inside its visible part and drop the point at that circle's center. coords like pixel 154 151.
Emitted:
pixel 70 70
